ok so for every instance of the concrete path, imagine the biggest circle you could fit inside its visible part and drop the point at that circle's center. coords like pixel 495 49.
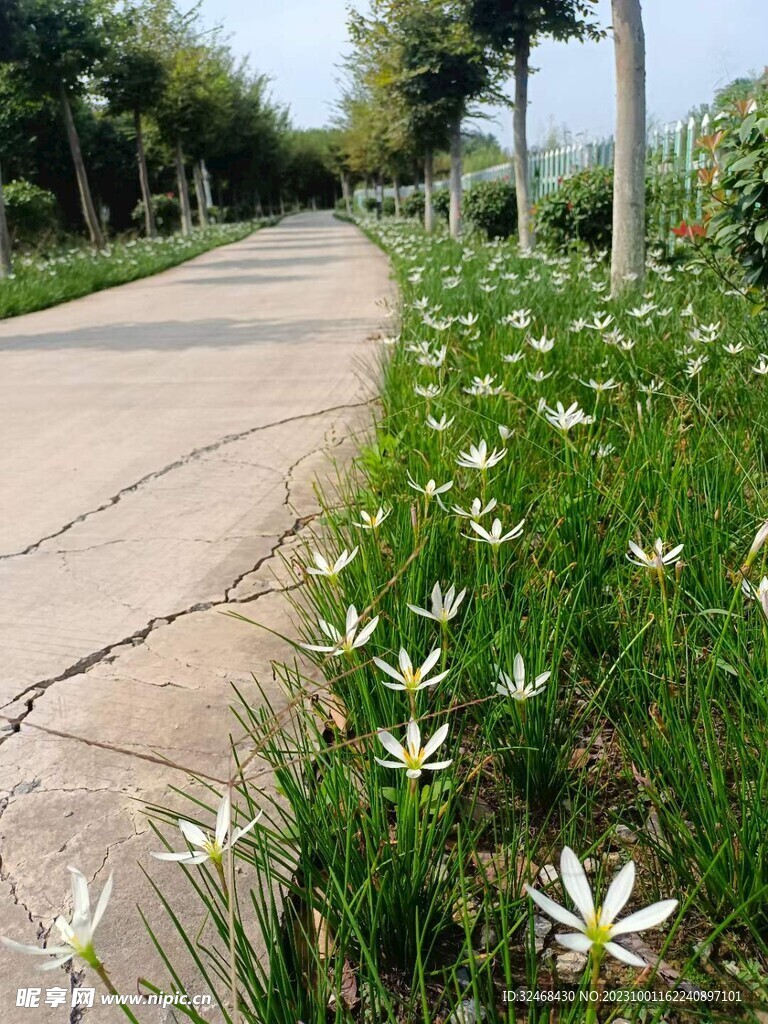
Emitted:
pixel 159 444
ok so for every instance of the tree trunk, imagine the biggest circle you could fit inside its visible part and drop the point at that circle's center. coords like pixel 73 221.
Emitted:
pixel 520 137
pixel 150 228
pixel 86 199
pixel 628 244
pixel 429 180
pixel 181 177
pixel 202 206
pixel 345 191
pixel 396 190
pixel 6 265
pixel 454 210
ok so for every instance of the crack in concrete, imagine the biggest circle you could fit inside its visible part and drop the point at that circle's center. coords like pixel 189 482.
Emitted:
pixel 196 453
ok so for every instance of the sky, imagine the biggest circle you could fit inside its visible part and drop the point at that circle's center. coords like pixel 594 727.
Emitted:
pixel 693 47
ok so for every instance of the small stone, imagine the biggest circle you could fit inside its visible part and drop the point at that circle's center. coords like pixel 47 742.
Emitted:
pixel 467 1012
pixel 463 978
pixel 548 874
pixel 625 834
pixel 542 926
pixel 590 865
pixel 570 966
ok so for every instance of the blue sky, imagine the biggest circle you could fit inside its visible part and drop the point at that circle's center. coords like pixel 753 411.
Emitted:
pixel 693 47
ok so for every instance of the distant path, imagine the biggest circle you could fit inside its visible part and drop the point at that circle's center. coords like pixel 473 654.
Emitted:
pixel 158 444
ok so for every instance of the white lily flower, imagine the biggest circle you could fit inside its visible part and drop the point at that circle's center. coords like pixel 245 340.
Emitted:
pixel 694 366
pixel 427 391
pixel 760 538
pixel 495 536
pixel 565 419
pixel 76 937
pixel 484 386
pixel 413 756
pixel 409 678
pixel 444 606
pixel 655 559
pixel 372 522
pixel 475 510
pixel 323 567
pixel 734 350
pixel 505 432
pixel 513 357
pixel 442 424
pixel 430 490
pixel 349 640
pixel 758 593
pixel 478 457
pixel 542 344
pixel 595 385
pixel 539 376
pixel 762 366
pixel 519 690
pixel 209 847
pixel 598 927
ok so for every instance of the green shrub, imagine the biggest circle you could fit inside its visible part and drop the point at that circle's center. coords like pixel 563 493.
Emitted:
pixel 388 206
pixel 738 226
pixel 167 210
pixel 441 202
pixel 369 204
pixel 580 211
pixel 413 205
pixel 30 211
pixel 491 206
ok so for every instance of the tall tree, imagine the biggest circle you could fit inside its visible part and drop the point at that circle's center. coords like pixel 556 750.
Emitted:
pixel 628 245
pixel 59 43
pixel 134 77
pixel 512 27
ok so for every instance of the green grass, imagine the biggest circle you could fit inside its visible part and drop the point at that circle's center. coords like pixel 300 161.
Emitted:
pixel 44 280
pixel 399 901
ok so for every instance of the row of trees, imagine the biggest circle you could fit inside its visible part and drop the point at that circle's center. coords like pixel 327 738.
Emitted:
pixel 127 97
pixel 419 67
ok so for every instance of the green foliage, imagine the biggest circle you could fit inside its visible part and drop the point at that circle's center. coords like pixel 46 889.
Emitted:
pixel 738 227
pixel 581 210
pixel 167 210
pixel 491 206
pixel 441 202
pixel 30 212
pixel 388 206
pixel 60 42
pixel 413 205
pixel 369 204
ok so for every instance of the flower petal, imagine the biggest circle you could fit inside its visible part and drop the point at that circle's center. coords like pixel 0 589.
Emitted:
pixel 648 917
pixel 575 881
pixel 624 955
pixel 436 740
pixel 554 909
pixel 101 906
pixel 575 940
pixel 223 818
pixel 192 833
pixel 390 744
pixel 618 893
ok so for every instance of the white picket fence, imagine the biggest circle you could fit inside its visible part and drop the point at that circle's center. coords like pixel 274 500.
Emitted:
pixel 672 151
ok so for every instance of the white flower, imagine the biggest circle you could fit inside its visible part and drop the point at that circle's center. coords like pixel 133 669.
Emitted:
pixel 505 432
pixel 323 567
pixel 595 385
pixel 520 690
pixel 349 640
pixel 413 756
pixel 566 419
pixel 408 678
pixel 431 488
pixel 518 318
pixel 758 593
pixel 478 457
pixel 734 350
pixel 602 321
pixel 694 366
pixel 495 537
pixel 598 927
pixel 444 606
pixel 760 538
pixel 475 510
pixel 209 847
pixel 484 386
pixel 762 366
pixel 539 375
pixel 428 391
pixel 76 937
pixel 656 559
pixel 442 424
pixel 542 344
pixel 513 357
pixel 372 522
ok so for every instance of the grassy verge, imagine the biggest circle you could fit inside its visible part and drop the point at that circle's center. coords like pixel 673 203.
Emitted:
pixel 576 698
pixel 42 281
